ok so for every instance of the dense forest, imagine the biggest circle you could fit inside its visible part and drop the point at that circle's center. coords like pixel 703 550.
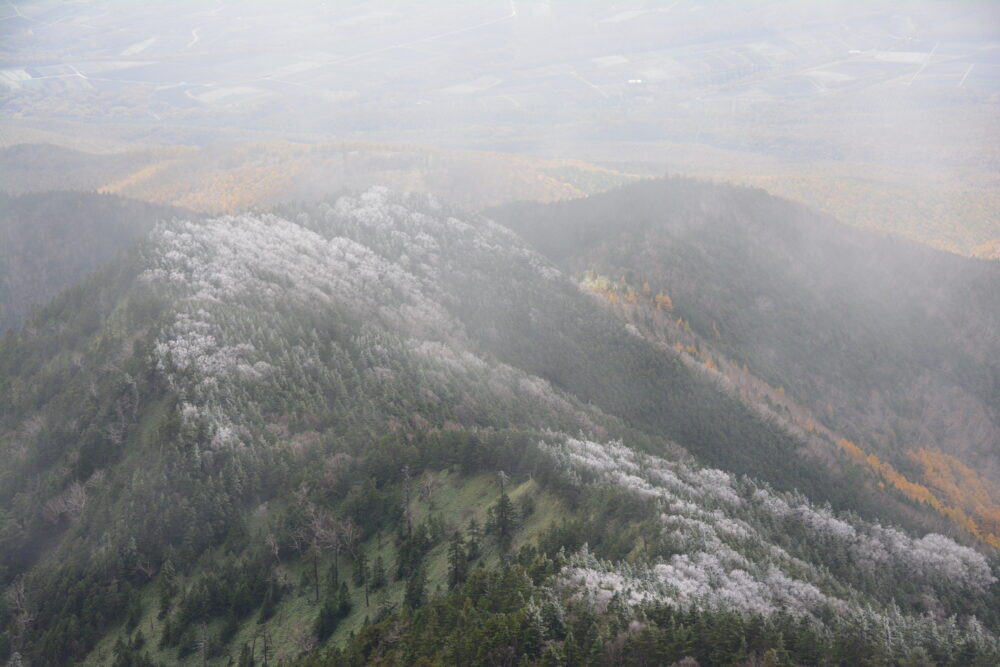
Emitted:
pixel 381 430
pixel 889 342
pixel 380 333
pixel 50 241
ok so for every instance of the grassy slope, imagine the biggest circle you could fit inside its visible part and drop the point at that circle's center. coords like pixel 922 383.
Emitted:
pixel 457 499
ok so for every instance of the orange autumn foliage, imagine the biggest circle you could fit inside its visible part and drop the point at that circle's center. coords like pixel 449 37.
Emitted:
pixel 961 486
pixel 985 530
pixel 663 302
pixel 619 290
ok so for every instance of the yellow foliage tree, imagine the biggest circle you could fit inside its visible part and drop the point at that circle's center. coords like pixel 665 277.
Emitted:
pixel 919 492
pixel 663 302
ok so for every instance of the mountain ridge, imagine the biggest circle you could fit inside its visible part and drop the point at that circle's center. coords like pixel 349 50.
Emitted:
pixel 202 435
pixel 894 337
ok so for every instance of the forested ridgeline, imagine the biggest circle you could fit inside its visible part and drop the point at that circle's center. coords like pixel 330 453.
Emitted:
pixel 233 176
pixel 379 429
pixel 49 241
pixel 889 342
pixel 939 480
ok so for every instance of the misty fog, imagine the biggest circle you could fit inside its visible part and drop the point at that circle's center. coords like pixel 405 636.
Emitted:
pixel 500 332
pixel 888 99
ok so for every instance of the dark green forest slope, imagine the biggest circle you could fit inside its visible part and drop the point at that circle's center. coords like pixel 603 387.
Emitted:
pixel 49 241
pixel 891 342
pixel 378 431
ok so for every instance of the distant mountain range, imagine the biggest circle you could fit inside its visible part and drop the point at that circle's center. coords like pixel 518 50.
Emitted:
pixel 233 177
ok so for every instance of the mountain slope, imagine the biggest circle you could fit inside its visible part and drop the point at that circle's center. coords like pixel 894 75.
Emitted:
pixel 893 344
pixel 50 241
pixel 204 438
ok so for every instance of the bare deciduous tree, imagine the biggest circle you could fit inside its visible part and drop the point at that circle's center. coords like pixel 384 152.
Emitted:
pixel 17 600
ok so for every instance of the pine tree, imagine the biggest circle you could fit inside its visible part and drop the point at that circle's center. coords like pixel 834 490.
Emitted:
pixel 457 562
pixel 474 536
pixel 617 614
pixel 229 628
pixel 552 656
pixel 167 588
pixel 167 635
pixel 333 576
pixel 360 569
pixel 327 620
pixel 271 596
pixel 554 616
pixel 776 657
pixel 682 642
pixel 133 613
pixel 120 650
pixel 344 603
pixel 504 521
pixel 378 573
pixel 246 657
pixel 532 633
pixel 416 589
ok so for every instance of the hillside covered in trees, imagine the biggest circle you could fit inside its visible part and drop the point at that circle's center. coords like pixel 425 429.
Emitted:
pixel 51 240
pixel 889 343
pixel 378 430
